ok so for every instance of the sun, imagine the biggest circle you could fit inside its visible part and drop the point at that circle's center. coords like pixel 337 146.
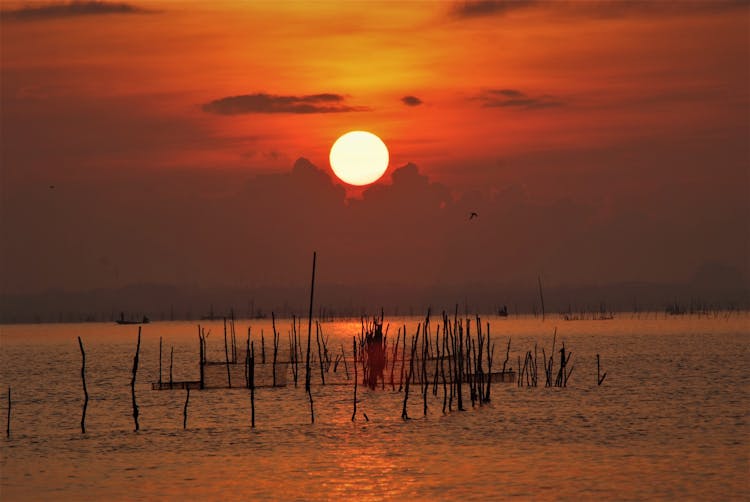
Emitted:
pixel 359 158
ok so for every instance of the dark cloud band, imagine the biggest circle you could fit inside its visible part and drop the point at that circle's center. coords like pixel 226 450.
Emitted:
pixel 72 9
pixel 269 103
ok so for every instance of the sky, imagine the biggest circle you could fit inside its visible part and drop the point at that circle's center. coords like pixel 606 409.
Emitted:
pixel 186 143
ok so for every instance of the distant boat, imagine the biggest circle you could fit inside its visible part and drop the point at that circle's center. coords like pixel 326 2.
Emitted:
pixel 503 312
pixel 122 320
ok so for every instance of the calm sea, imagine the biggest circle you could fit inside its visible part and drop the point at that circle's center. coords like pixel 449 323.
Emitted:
pixel 669 422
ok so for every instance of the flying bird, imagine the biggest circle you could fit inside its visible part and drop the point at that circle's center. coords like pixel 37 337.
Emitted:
pixel 473 215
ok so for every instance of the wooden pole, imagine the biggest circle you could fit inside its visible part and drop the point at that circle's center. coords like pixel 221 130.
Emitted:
pixel 395 355
pixel 201 355
pixel 599 377
pixel 354 348
pixel 275 346
pixel 159 362
pixel 309 338
pixel 541 294
pixel 403 362
pixel 132 381
pixel 414 342
pixel 184 410
pixel 7 429
pixel 490 354
pixel 85 392
pixel 252 384
pixel 226 354
pixel 171 362
pixel 343 358
pixel 320 353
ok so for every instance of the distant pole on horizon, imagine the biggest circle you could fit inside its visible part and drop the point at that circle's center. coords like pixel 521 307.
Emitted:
pixel 541 294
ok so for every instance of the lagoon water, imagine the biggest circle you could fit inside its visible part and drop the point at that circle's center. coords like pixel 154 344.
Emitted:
pixel 669 422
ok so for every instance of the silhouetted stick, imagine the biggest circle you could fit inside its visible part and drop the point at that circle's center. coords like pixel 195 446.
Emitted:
pixel 460 368
pixel 541 295
pixel 519 381
pixel 184 410
pixel 599 377
pixel 132 381
pixel 414 341
pixel 343 358
pixel 85 392
pixel 201 356
pixel 252 384
pixel 275 346
pixel 437 360
pixel 226 354
pixel 320 354
pixel 354 348
pixel 425 349
pixel 160 362
pixel 395 355
pixel 171 362
pixel 309 339
pixel 442 373
pixel 7 429
pixel 507 355
pixel 403 362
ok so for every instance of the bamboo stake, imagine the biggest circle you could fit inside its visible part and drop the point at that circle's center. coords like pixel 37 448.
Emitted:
pixel 252 384
pixel 85 392
pixel 442 372
pixel 354 348
pixel 200 355
pixel 343 358
pixel 320 354
pixel 7 429
pixel 309 337
pixel 460 368
pixel 160 362
pixel 226 354
pixel 403 362
pixel 132 381
pixel 275 346
pixel 404 413
pixel 425 382
pixel 395 356
pixel 171 361
pixel 490 356
pixel 184 410
pixel 599 377
pixel 541 295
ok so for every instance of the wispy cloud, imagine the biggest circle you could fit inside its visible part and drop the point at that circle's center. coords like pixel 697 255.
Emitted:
pixel 596 8
pixel 513 98
pixel 411 101
pixel 270 103
pixel 481 8
pixel 71 9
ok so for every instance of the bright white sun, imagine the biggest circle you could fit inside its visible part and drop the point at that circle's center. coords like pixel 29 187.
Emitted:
pixel 359 158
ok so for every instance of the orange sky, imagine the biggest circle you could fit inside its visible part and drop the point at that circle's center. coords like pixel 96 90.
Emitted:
pixel 590 101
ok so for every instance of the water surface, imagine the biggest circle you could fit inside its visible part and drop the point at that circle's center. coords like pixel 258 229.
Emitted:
pixel 670 420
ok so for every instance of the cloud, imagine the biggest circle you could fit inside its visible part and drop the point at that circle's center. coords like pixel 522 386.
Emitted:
pixel 595 8
pixel 488 7
pixel 71 9
pixel 513 98
pixel 411 101
pixel 269 103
